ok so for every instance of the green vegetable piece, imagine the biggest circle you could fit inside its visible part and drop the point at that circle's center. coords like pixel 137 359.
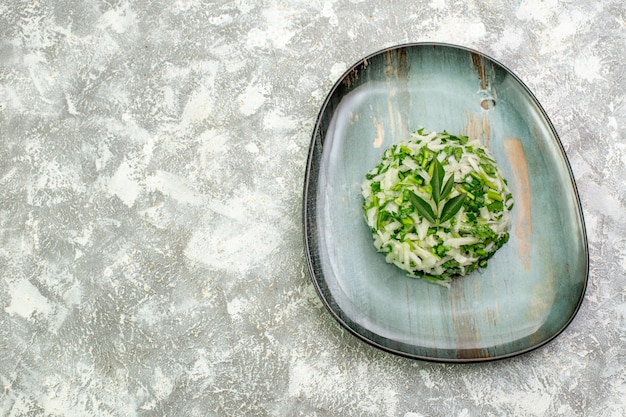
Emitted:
pixel 452 207
pixel 458 154
pixel 425 155
pixel 433 278
pixel 423 207
pixel 495 207
pixel 407 221
pixel 452 263
pixel 494 195
pixel 489 169
pixel 461 139
pixel 381 218
pixel 489 183
pixel 440 250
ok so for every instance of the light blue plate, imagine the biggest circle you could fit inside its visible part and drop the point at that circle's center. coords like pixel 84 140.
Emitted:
pixel 532 287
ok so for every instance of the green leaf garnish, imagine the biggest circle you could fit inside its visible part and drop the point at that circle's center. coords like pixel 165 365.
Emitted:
pixel 451 208
pixel 437 180
pixel 423 207
pixel 439 192
pixel 445 191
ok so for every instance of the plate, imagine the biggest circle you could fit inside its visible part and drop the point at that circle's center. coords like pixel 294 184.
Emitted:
pixel 532 287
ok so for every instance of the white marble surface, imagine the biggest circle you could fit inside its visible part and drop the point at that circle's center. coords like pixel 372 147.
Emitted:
pixel 152 158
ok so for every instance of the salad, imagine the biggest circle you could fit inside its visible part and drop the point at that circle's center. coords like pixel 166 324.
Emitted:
pixel 437 205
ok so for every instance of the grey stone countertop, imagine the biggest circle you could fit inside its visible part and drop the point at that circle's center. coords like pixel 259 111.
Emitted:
pixel 152 159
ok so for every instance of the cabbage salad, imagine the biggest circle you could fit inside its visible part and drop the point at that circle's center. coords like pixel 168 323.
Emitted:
pixel 437 205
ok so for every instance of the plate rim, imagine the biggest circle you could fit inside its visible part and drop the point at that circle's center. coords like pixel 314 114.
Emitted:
pixel 306 223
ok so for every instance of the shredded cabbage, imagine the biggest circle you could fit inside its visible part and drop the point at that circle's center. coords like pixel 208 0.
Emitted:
pixel 437 205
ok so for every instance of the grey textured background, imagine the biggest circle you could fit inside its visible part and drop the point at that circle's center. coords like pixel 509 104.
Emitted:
pixel 152 156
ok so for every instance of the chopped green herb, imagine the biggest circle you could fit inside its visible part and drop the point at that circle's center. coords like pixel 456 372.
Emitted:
pixel 423 207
